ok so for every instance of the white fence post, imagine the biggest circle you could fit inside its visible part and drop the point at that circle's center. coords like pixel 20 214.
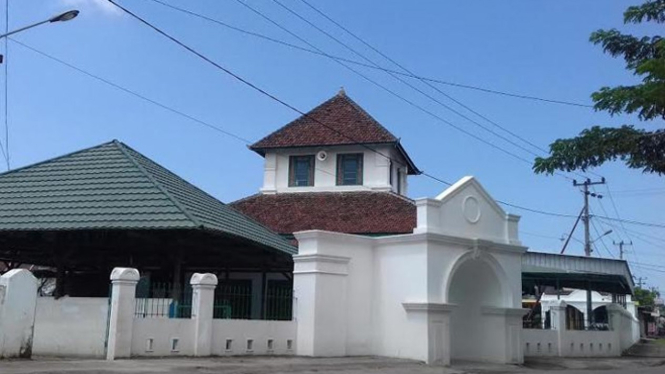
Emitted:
pixel 203 294
pixel 121 317
pixel 18 303
pixel 558 323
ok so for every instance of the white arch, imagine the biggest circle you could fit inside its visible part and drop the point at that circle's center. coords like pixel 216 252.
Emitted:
pixel 499 273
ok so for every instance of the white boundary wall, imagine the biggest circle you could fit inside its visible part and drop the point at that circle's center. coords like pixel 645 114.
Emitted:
pixel 623 333
pixel 158 337
pixel 201 335
pixel 70 326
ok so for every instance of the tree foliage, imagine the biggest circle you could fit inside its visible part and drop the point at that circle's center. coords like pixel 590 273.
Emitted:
pixel 638 148
pixel 645 297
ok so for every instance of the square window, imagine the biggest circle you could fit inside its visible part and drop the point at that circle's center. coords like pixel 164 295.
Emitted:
pixel 301 171
pixel 350 169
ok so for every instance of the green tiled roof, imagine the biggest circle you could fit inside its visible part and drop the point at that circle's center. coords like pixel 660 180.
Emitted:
pixel 112 186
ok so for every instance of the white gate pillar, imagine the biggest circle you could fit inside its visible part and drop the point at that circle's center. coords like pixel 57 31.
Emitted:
pixel 558 321
pixel 18 303
pixel 319 283
pixel 203 295
pixel 121 316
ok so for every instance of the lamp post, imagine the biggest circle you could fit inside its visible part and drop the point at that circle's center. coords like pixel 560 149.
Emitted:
pixel 64 17
pixel 604 234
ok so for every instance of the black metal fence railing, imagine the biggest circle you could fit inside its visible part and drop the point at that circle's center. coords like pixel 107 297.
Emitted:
pixel 236 300
pixel 163 300
pixel 232 300
pixel 279 303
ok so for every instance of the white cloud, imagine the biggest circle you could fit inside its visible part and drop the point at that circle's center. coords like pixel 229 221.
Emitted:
pixel 102 6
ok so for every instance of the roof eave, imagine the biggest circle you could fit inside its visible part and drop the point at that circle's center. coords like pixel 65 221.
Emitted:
pixel 413 169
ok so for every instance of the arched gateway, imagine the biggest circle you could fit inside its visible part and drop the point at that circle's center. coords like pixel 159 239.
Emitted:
pixel 450 290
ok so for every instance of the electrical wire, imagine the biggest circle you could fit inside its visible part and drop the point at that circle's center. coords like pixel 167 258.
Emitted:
pixel 391 92
pixel 419 90
pixel 312 51
pixel 600 237
pixel 406 70
pixel 5 147
pixel 133 93
pixel 411 73
pixel 283 103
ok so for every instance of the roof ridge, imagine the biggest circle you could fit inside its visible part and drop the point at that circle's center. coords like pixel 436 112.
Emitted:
pixel 123 148
pixel 56 158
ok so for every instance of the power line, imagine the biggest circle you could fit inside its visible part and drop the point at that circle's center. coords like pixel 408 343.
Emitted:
pixel 213 127
pixel 632 222
pixel 391 92
pixel 244 81
pixel 601 238
pixel 5 148
pixel 315 52
pixel 133 93
pixel 540 235
pixel 641 190
pixel 406 70
pixel 283 103
pixel 342 61
pixel 435 100
pixel 414 87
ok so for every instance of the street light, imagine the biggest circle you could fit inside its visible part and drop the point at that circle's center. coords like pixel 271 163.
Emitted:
pixel 64 17
pixel 605 234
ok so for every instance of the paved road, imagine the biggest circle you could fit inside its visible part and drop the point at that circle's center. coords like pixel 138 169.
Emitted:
pixel 362 365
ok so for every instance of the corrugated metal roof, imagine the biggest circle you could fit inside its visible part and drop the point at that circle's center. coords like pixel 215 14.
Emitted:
pixel 577 269
pixel 112 186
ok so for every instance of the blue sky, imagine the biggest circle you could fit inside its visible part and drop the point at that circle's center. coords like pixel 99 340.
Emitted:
pixel 533 48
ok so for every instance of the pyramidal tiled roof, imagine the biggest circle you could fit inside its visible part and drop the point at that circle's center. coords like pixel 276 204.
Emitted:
pixel 112 186
pixel 337 121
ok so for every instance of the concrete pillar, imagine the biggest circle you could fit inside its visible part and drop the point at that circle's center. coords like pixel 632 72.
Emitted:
pixel 435 318
pixel 18 303
pixel 558 315
pixel 121 318
pixel 319 283
pixel 558 318
pixel 203 295
pixel 428 216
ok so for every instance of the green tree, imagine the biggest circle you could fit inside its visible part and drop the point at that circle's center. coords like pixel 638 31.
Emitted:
pixel 645 297
pixel 638 148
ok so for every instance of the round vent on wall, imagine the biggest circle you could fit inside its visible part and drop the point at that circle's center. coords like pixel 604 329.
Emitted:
pixel 322 155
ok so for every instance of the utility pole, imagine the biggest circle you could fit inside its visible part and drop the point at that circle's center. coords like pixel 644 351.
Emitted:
pixel 640 281
pixel 621 244
pixel 587 239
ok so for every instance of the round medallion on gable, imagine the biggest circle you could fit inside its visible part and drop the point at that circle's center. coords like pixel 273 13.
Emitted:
pixel 471 209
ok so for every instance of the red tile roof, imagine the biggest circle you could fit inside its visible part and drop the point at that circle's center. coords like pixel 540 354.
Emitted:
pixel 363 212
pixel 337 121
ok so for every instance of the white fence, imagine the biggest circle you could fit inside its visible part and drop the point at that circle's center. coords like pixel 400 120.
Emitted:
pixel 70 326
pixel 559 341
pixel 133 335
pixel 160 337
